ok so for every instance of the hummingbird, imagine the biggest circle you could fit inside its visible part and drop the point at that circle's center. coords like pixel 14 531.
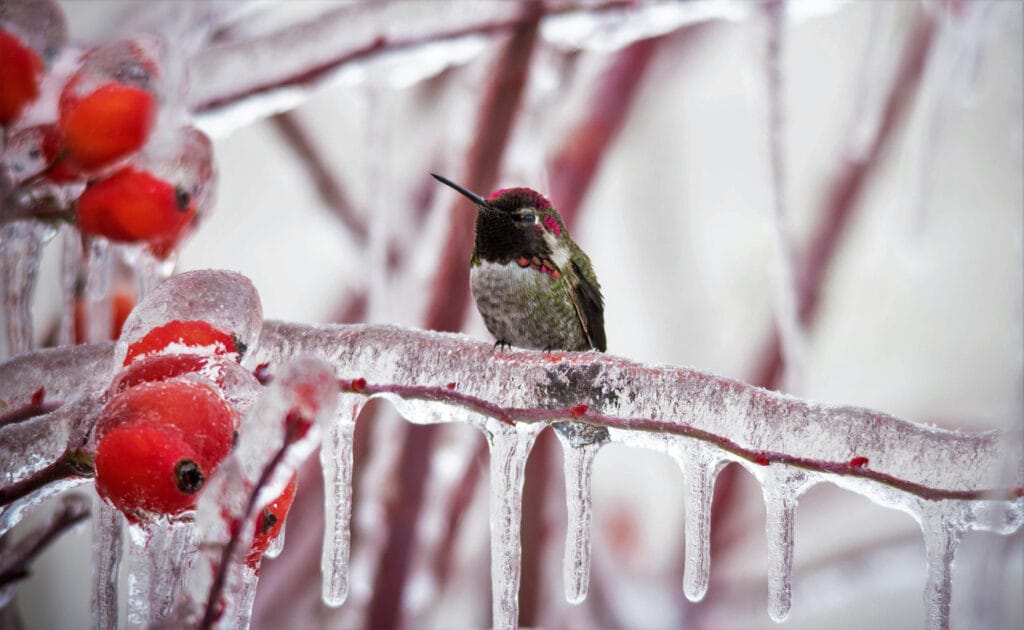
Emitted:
pixel 533 285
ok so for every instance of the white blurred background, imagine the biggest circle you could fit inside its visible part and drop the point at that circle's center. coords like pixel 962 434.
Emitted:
pixel 920 311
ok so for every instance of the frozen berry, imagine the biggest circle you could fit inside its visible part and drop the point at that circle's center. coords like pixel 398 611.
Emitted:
pixel 133 206
pixel 205 421
pixel 159 367
pixel 148 467
pixel 192 333
pixel 106 124
pixel 20 72
pixel 60 168
pixel 269 521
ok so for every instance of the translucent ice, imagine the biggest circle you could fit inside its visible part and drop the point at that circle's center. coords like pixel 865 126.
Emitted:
pixel 21 247
pixel 106 563
pixel 580 444
pixel 279 433
pixel 224 299
pixel 336 461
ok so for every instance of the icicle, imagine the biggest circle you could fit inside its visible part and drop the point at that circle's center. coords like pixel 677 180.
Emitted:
pixel 580 444
pixel 941 538
pixel 71 266
pixel 336 461
pixel 106 562
pixel 99 315
pixel 148 269
pixel 21 246
pixel 159 558
pixel 250 581
pixel 782 487
pixel 509 447
pixel 276 545
pixel 700 464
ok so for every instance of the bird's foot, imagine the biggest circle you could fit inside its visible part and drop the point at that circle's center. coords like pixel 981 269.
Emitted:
pixel 501 343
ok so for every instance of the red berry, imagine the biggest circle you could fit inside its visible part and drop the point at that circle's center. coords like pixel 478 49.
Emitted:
pixel 203 419
pixel 358 384
pixel 192 333
pixel 761 460
pixel 20 71
pixel 109 123
pixel 159 367
pixel 147 466
pixel 269 521
pixel 858 462
pixel 60 168
pixel 132 206
pixel 579 410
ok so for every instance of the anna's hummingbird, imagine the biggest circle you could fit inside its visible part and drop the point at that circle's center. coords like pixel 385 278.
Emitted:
pixel 533 285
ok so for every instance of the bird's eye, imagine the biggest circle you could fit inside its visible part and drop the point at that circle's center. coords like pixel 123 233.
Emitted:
pixel 528 218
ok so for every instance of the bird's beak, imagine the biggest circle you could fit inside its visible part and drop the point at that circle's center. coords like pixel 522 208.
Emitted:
pixel 477 199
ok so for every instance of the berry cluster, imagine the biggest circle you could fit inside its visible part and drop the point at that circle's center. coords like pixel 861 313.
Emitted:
pixel 169 424
pixel 99 147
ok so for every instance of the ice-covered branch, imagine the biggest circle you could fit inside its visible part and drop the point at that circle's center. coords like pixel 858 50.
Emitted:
pixel 948 480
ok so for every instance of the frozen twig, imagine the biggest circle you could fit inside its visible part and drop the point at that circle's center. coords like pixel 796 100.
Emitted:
pixel 16 561
pixel 326 182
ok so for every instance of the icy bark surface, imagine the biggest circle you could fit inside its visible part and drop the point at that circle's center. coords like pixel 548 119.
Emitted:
pixel 702 420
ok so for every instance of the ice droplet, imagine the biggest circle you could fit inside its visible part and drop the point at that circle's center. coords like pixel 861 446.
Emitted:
pixel 39 23
pixel 106 563
pixel 336 461
pixel 276 545
pixel 578 465
pixel 510 446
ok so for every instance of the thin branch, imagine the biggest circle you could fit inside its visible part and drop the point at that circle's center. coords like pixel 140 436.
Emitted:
pixel 856 466
pixel 69 464
pixel 327 185
pixel 16 561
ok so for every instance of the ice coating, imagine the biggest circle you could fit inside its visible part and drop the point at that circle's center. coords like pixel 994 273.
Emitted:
pixel 275 438
pixel 224 299
pixel 786 443
pixel 949 481
pixel 746 422
pixel 336 462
